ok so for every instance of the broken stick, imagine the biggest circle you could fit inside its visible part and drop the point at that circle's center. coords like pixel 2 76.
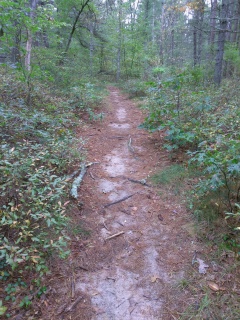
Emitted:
pixel 73 305
pixel 115 235
pixel 120 200
pixel 131 148
pixel 143 182
pixel 77 181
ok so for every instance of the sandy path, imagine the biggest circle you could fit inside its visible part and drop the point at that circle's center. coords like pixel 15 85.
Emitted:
pixel 136 275
pixel 128 276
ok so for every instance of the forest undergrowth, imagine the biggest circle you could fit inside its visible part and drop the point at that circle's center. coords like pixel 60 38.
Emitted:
pixel 38 153
pixel 200 124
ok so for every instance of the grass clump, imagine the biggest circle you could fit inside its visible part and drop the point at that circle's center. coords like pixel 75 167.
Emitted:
pixel 170 175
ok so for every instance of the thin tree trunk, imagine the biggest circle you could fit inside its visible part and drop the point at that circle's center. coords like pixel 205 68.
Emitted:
pixel 33 6
pixel 153 22
pixel 235 34
pixel 119 49
pixel 221 42
pixel 213 21
pixel 162 32
pixel 172 45
pixel 28 51
pixel 15 51
pixel 91 49
pixel 200 33
pixel 84 4
pixel 194 46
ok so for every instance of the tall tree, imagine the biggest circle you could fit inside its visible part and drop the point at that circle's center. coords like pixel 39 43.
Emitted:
pixel 223 24
pixel 33 5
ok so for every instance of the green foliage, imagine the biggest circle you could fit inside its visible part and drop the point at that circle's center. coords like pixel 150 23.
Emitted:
pixel 232 55
pixel 3 309
pixel 135 88
pixel 87 97
pixel 36 151
pixel 205 123
pixel 233 243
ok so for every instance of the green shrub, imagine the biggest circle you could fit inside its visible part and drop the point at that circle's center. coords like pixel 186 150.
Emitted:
pixel 205 123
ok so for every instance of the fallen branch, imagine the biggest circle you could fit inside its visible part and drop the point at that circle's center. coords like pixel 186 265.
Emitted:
pixel 72 175
pixel 131 148
pixel 72 287
pixel 116 137
pixel 105 226
pixel 91 163
pixel 120 200
pixel 143 182
pixel 73 305
pixel 115 235
pixel 77 181
pixel 130 145
pixel 91 175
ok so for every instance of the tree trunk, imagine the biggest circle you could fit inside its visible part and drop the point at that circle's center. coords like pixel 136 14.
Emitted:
pixel 213 21
pixel 84 4
pixel 194 46
pixel 221 42
pixel 172 45
pixel 119 49
pixel 235 35
pixel 162 33
pixel 33 6
pixel 15 50
pixel 200 33
pixel 91 45
pixel 153 22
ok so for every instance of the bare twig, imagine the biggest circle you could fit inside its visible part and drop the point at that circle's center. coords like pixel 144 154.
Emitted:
pixel 143 182
pixel 120 200
pixel 73 305
pixel 116 137
pixel 130 145
pixel 91 175
pixel 72 175
pixel 72 287
pixel 115 235
pixel 125 211
pixel 194 259
pixel 91 163
pixel 131 148
pixel 81 267
pixel 105 226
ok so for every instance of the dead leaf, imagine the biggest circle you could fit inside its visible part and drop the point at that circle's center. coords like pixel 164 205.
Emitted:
pixel 65 203
pixel 154 278
pixel 134 208
pixel 213 286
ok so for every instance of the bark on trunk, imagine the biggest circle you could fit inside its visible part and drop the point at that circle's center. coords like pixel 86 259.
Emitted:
pixel 119 49
pixel 221 42
pixel 33 6
pixel 213 21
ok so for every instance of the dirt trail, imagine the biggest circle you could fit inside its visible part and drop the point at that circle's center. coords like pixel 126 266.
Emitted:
pixel 128 276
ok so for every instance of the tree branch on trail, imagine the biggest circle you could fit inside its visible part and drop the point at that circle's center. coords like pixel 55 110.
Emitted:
pixel 120 200
pixel 77 181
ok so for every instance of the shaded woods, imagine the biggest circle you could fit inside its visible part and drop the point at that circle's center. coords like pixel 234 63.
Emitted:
pixel 179 60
